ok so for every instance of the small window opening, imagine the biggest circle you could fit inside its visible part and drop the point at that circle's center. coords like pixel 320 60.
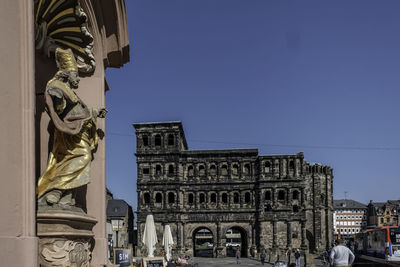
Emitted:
pixel 157 140
pixel 281 195
pixel 202 170
pixel 224 170
pixel 146 171
pixel 213 170
pixel 268 195
pixel 145 139
pixel 295 195
pixel 267 207
pixel 247 197
pixel 190 170
pixel 213 198
pixel 146 198
pixel 158 169
pixel 225 198
pixel 267 168
pixel 235 169
pixel 158 198
pixel 171 140
pixel 171 197
pixel 291 165
pixel 236 198
pixel 190 198
pixel 295 208
pixel 202 198
pixel 247 169
pixel 170 170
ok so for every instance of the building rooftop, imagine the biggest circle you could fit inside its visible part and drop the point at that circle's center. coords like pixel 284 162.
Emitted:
pixel 116 208
pixel 348 204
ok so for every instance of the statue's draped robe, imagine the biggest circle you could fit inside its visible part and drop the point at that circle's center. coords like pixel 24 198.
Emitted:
pixel 74 139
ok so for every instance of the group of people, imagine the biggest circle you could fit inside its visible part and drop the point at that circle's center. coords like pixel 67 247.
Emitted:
pixel 339 256
pixel 297 256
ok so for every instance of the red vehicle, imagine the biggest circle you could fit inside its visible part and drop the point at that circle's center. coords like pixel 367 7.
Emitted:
pixel 382 242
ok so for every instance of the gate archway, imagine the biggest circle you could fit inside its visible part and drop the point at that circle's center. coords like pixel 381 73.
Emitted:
pixel 203 243
pixel 236 239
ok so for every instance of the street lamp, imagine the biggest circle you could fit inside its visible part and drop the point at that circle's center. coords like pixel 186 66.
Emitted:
pixel 117 226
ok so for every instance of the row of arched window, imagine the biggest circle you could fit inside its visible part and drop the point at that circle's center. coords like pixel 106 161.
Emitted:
pixel 197 170
pixel 198 198
pixel 281 195
pixel 157 140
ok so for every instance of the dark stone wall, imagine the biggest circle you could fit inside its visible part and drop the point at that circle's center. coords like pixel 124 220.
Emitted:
pixel 276 202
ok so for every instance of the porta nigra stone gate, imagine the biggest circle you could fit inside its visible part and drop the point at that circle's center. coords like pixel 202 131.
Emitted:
pixel 272 202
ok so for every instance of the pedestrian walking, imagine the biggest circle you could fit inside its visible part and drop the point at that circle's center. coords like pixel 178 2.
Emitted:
pixel 238 256
pixel 287 254
pixel 297 257
pixel 341 256
pixel 262 257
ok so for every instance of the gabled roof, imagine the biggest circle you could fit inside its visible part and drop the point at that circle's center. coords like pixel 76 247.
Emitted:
pixel 347 204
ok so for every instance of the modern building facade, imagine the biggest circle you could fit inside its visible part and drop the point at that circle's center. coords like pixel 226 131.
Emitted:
pixel 349 217
pixel 216 199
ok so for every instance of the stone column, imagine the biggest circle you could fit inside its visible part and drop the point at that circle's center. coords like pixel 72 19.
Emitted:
pixel 18 241
pixel 289 234
pixel 303 233
pixel 274 233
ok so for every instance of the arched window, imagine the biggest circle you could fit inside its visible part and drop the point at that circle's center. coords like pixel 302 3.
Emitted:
pixel 247 197
pixel 171 197
pixel 213 170
pixel 202 198
pixel 157 140
pixel 171 170
pixel 235 169
pixel 224 169
pixel 268 195
pixel 236 198
pixel 295 195
pixel 146 198
pixel 202 170
pixel 276 166
pixel 291 165
pixel 295 208
pixel 281 195
pixel 145 140
pixel 158 200
pixel 190 170
pixel 158 169
pixel 224 198
pixel 146 171
pixel 247 169
pixel 267 167
pixel 213 198
pixel 171 140
pixel 190 198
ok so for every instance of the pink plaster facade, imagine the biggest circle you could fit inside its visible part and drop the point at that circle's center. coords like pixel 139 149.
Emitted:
pixel 24 137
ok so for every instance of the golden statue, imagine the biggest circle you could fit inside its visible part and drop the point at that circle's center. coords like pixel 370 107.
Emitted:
pixel 74 139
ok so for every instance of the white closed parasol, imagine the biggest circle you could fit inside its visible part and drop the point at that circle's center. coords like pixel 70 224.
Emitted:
pixel 167 241
pixel 150 235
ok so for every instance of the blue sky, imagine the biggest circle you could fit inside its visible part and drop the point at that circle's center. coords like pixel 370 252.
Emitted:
pixel 320 77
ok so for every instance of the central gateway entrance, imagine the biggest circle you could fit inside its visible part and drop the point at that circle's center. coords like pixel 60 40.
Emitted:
pixel 236 239
pixel 203 243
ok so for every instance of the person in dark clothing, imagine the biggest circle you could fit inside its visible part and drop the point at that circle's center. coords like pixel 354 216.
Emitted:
pixel 238 256
pixel 262 257
pixel 297 257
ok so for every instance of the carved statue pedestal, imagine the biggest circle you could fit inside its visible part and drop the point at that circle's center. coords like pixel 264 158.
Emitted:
pixel 65 238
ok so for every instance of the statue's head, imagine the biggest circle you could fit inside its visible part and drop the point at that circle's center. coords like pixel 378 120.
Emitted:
pixel 67 66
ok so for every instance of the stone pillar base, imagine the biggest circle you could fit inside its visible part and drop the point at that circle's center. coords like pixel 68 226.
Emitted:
pixel 308 260
pixel 65 238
